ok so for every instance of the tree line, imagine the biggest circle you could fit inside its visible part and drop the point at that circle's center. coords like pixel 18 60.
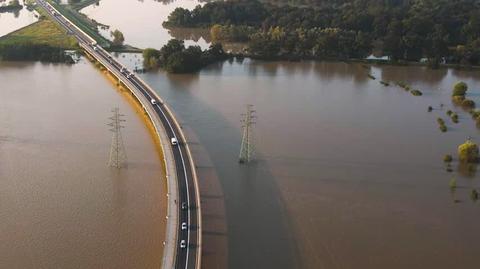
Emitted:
pixel 405 30
pixel 33 52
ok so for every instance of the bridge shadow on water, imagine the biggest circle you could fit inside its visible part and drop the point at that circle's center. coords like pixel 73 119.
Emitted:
pixel 257 227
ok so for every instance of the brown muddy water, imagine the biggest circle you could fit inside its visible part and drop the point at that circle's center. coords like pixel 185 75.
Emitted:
pixel 349 173
pixel 60 205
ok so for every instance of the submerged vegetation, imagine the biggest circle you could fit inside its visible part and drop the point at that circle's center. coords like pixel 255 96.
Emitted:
pixel 416 93
pixel 174 57
pixel 13 5
pixel 441 125
pixel 468 152
pixel 460 89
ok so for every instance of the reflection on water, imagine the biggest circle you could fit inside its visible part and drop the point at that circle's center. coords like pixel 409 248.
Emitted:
pixel 194 34
pixel 352 167
pixel 11 21
pixel 140 21
pixel 60 205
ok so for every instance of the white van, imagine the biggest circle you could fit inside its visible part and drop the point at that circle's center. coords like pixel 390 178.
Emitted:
pixel 174 141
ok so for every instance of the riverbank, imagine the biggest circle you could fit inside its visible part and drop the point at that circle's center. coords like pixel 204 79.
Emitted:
pixel 43 32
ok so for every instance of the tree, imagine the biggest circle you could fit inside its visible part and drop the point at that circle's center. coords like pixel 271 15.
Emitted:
pixel 460 89
pixel 216 32
pixel 118 38
pixel 150 58
pixel 468 152
pixel 14 3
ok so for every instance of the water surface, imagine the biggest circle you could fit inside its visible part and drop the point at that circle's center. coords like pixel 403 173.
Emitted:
pixel 11 21
pixel 349 173
pixel 61 206
pixel 140 21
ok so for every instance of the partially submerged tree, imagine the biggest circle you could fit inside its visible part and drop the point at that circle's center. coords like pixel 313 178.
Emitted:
pixel 118 38
pixel 460 89
pixel 468 152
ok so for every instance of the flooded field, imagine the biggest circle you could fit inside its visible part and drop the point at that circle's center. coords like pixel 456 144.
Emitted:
pixel 348 173
pixel 11 21
pixel 140 21
pixel 61 205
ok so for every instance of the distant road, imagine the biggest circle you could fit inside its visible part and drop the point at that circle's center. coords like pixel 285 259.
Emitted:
pixel 187 248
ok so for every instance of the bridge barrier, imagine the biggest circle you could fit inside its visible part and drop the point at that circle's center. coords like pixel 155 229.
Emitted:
pixel 71 23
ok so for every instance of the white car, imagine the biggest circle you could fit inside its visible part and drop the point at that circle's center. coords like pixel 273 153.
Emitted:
pixel 184 205
pixel 153 101
pixel 174 141
pixel 184 225
pixel 183 244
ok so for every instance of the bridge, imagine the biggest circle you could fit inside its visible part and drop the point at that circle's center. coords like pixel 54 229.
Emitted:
pixel 183 232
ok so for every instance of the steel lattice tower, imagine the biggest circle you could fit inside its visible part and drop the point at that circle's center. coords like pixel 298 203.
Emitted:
pixel 248 148
pixel 118 155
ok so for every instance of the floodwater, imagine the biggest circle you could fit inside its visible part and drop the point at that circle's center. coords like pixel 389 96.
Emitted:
pixel 349 173
pixel 61 206
pixel 11 21
pixel 127 16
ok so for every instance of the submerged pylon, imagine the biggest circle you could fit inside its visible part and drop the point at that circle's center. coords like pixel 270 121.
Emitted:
pixel 247 149
pixel 118 155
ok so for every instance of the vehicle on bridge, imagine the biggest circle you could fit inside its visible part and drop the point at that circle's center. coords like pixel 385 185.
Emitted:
pixel 174 142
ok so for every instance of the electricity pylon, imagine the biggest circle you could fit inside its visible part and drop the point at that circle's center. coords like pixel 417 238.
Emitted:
pixel 118 156
pixel 248 147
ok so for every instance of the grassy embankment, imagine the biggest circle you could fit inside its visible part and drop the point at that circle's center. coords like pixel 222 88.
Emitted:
pixel 43 32
pixel 84 23
pixel 43 41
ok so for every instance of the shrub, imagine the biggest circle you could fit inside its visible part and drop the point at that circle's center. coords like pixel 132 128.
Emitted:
pixel 454 117
pixel 468 103
pixel 416 92
pixel 448 158
pixel 477 122
pixel 449 112
pixel 443 128
pixel 460 89
pixel 430 109
pixel 475 114
pixel 458 99
pixel 474 195
pixel 468 152
pixel 440 121
pixel 453 183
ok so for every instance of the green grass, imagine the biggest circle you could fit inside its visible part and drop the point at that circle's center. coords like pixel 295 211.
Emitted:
pixel 44 32
pixel 82 23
